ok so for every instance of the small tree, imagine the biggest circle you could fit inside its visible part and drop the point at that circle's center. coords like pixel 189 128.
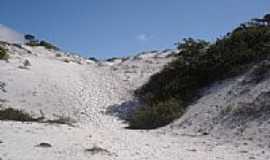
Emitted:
pixel 48 45
pixel 29 37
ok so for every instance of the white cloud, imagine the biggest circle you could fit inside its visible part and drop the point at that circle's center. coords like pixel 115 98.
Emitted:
pixel 143 37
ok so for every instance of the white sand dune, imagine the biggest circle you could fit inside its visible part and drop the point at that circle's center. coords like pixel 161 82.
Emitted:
pixel 62 85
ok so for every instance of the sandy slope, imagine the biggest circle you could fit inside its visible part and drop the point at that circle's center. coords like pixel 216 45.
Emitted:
pixel 60 85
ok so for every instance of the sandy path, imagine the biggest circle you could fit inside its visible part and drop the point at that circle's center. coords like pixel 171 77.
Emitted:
pixel 19 142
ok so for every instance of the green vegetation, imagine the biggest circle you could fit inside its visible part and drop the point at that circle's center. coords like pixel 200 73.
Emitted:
pixel 32 41
pixel 159 114
pixel 3 54
pixel 167 94
pixel 48 45
pixel 15 115
pixel 11 114
pixel 45 44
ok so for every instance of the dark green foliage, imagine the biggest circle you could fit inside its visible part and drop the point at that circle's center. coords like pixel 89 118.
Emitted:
pixel 29 37
pixel 48 45
pixel 189 45
pixel 3 54
pixel 33 43
pixel 15 115
pixel 160 114
pixel 179 75
pixel 45 44
pixel 199 64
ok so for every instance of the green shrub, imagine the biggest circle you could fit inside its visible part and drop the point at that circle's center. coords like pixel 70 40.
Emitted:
pixel 45 44
pixel 3 54
pixel 33 43
pixel 15 115
pixel 48 45
pixel 199 64
pixel 152 116
pixel 179 78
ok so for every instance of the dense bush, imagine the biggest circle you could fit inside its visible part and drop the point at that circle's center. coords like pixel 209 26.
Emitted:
pixel 15 115
pixel 3 54
pixel 151 116
pixel 198 64
pixel 48 45
pixel 45 44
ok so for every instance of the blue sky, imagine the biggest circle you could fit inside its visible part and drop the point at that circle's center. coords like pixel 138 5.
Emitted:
pixel 106 28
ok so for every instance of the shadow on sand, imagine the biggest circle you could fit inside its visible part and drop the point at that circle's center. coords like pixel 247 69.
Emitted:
pixel 125 110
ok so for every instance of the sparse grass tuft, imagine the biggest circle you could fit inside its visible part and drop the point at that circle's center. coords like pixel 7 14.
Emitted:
pixel 11 114
pixel 96 150
pixel 62 120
